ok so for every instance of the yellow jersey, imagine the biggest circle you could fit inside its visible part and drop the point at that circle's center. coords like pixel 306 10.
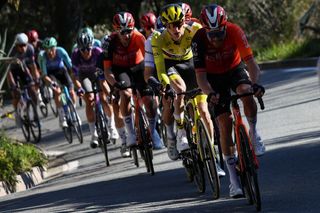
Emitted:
pixel 164 48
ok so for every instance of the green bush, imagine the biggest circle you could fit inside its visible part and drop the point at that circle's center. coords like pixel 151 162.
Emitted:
pixel 289 50
pixel 16 158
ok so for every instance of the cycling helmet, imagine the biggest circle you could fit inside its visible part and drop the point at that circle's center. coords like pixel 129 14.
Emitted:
pixel 32 35
pixel 160 27
pixel 123 21
pixel 213 17
pixel 187 11
pixel 85 40
pixel 105 43
pixel 171 13
pixel 49 42
pixel 87 30
pixel 21 38
pixel 148 20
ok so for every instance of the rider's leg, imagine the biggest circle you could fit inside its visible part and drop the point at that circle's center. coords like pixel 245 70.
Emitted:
pixel 179 86
pixel 250 110
pixel 125 98
pixel 151 105
pixel 228 150
pixel 107 106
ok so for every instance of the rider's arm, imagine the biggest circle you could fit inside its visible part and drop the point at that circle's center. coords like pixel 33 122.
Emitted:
pixel 246 54
pixel 198 51
pixel 43 66
pixel 159 59
pixel 254 70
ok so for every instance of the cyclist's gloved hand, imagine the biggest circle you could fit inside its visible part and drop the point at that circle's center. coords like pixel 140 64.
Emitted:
pixel 258 90
pixel 155 85
pixel 213 98
pixel 80 92
pixel 169 92
pixel 120 85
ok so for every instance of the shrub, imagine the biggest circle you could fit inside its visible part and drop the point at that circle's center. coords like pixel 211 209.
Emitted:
pixel 16 158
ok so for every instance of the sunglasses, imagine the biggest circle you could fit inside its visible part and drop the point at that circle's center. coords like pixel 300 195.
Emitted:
pixel 217 34
pixel 125 31
pixel 86 49
pixel 177 24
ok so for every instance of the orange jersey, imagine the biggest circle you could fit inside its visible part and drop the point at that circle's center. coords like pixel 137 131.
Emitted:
pixel 209 59
pixel 125 57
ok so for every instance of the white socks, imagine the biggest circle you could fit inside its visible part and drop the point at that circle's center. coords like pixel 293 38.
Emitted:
pixel 231 165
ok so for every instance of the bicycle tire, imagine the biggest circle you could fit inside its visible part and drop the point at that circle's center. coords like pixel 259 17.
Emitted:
pixel 217 144
pixel 101 125
pixel 67 131
pixel 134 152
pixel 197 165
pixel 74 121
pixel 249 175
pixel 44 110
pixel 147 141
pixel 24 123
pixel 34 123
pixel 208 157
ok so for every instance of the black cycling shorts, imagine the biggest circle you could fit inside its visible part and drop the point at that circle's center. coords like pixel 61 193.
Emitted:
pixel 62 77
pixel 132 76
pixel 224 83
pixel 185 69
pixel 24 78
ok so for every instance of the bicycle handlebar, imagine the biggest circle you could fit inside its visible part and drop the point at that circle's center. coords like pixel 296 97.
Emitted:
pixel 236 97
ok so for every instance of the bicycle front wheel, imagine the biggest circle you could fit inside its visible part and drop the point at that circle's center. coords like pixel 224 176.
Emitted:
pixel 34 123
pixel 75 121
pixel 249 173
pixel 208 158
pixel 147 141
pixel 195 172
pixel 102 130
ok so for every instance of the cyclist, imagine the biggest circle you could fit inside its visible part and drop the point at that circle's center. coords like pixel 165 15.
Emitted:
pixel 84 61
pixel 188 13
pixel 22 69
pixel 96 42
pixel 55 65
pixel 170 54
pixel 105 42
pixel 125 63
pixel 33 39
pixel 218 49
pixel 148 23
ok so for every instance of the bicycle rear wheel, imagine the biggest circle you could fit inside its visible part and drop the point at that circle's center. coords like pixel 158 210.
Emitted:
pixel 34 123
pixel 101 124
pixel 75 122
pixel 249 174
pixel 146 140
pixel 208 157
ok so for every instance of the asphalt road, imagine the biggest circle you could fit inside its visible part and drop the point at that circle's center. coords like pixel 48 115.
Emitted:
pixel 289 172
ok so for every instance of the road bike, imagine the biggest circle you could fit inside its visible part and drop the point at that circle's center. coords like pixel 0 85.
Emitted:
pixel 247 160
pixel 101 121
pixel 27 111
pixel 143 132
pixel 201 155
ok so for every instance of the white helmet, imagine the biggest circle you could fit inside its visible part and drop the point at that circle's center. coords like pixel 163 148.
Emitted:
pixel 21 38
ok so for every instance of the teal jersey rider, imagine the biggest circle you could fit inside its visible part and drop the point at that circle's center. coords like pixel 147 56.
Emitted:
pixel 61 61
